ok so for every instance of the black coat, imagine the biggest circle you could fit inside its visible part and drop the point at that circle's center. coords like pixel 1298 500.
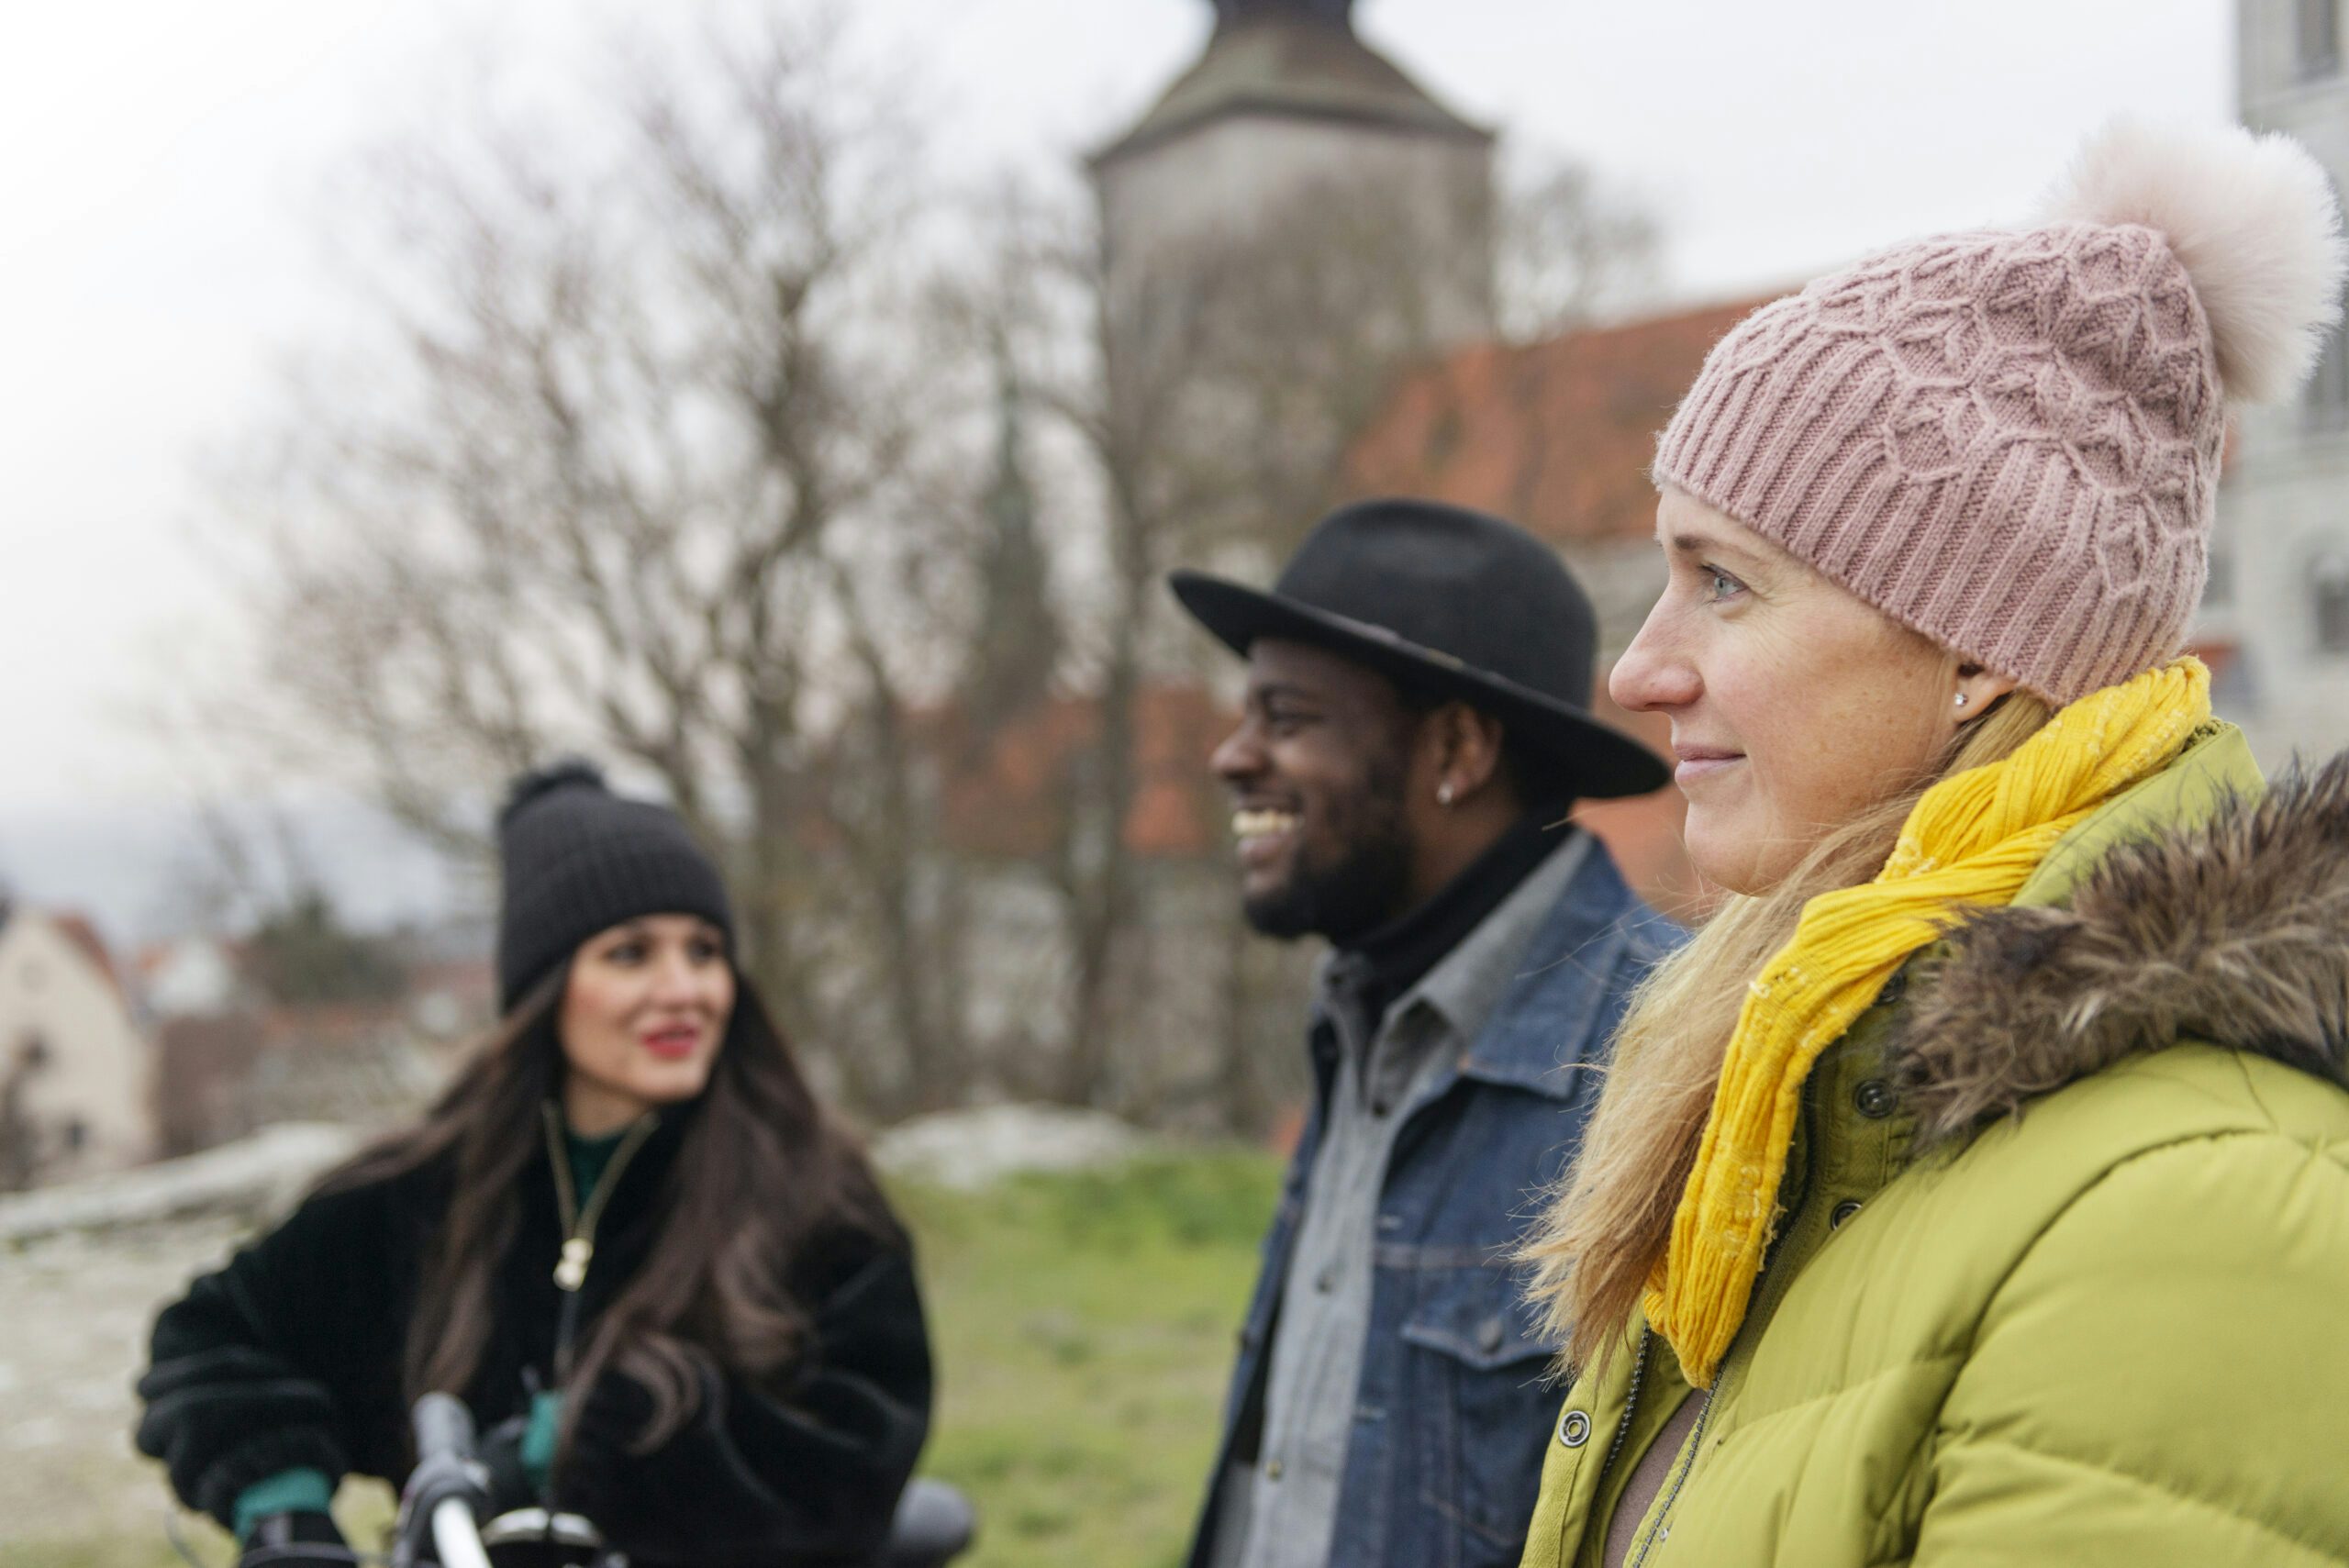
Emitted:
pixel 291 1356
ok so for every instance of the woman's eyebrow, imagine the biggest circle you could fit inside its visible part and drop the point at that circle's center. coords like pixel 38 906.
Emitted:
pixel 1686 541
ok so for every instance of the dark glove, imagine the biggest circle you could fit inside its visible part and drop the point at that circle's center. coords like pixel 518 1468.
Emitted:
pixel 297 1540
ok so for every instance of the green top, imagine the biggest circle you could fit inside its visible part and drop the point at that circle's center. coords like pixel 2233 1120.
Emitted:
pixel 590 1158
pixel 310 1491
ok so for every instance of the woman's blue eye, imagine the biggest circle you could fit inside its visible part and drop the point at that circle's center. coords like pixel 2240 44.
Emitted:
pixel 1723 584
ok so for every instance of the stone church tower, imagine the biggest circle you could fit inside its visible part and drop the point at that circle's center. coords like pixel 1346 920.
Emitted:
pixel 1286 103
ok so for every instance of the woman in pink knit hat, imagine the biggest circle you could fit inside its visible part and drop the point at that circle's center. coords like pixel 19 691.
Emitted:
pixel 1975 1188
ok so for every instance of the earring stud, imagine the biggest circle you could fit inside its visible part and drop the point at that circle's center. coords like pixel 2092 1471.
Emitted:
pixel 1443 795
pixel 1963 699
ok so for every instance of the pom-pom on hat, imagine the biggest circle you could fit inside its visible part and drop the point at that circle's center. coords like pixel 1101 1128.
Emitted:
pixel 2010 440
pixel 575 859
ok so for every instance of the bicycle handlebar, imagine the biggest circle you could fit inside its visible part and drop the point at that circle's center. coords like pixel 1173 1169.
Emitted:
pixel 446 1491
pixel 444 1428
pixel 456 1537
pixel 440 1510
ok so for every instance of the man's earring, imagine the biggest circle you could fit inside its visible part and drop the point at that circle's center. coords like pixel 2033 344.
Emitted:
pixel 1443 793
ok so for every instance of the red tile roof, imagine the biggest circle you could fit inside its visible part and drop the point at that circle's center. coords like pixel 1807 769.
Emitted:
pixel 78 929
pixel 1556 434
pixel 1008 798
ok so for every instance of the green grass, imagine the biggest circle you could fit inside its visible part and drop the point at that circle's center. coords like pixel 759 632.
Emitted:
pixel 1084 1328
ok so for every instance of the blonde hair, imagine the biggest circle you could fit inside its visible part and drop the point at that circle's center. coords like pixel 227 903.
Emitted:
pixel 1611 1217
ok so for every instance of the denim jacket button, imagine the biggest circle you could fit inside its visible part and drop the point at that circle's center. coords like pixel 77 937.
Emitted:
pixel 1489 1336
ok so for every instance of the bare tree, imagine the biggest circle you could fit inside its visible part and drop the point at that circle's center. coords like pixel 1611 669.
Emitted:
pixel 1569 249
pixel 638 460
pixel 648 451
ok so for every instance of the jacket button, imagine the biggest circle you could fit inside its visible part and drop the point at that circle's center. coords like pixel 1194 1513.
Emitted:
pixel 1874 1098
pixel 1272 1470
pixel 1574 1431
pixel 1489 1336
pixel 1843 1211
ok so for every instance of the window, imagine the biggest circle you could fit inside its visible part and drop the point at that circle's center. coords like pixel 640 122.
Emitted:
pixel 2316 29
pixel 2327 397
pixel 2329 579
pixel 2219 589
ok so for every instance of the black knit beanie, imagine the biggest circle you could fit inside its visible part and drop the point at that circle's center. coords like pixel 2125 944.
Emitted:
pixel 575 859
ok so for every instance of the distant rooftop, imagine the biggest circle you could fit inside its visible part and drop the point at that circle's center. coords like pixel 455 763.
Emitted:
pixel 1555 435
pixel 1298 58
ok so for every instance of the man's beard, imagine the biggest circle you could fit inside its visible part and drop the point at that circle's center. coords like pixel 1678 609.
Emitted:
pixel 1365 888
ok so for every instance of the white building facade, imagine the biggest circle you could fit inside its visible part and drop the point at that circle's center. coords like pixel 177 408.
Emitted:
pixel 2277 614
pixel 76 1076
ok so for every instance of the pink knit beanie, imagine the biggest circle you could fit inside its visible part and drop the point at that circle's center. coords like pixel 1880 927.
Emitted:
pixel 2010 440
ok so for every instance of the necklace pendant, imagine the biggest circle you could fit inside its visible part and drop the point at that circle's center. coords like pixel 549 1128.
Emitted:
pixel 572 1271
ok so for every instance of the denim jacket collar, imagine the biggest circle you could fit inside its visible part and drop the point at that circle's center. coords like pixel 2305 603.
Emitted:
pixel 1537 1022
pixel 1540 1023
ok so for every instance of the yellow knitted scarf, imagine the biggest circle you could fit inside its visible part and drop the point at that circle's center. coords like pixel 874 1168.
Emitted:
pixel 1973 839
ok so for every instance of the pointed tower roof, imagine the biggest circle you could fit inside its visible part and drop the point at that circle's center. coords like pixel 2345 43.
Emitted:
pixel 1294 58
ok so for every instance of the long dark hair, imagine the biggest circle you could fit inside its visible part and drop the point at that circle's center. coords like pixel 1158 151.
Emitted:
pixel 762 1170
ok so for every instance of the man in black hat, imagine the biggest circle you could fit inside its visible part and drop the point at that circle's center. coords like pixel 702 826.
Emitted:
pixel 1414 733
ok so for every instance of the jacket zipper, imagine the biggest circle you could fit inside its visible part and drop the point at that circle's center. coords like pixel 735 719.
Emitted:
pixel 579 1223
pixel 1630 1404
pixel 1771 1289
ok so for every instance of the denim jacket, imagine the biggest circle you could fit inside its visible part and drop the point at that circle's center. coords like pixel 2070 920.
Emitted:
pixel 1453 1402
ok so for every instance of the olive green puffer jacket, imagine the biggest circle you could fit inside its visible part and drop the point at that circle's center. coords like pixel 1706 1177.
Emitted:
pixel 2063 1276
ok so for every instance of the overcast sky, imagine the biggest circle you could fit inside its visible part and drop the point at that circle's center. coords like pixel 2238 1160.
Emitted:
pixel 161 165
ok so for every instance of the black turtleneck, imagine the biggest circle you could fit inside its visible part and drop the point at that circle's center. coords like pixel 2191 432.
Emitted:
pixel 1392 957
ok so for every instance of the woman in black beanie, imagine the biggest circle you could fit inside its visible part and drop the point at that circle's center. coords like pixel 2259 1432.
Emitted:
pixel 627 1235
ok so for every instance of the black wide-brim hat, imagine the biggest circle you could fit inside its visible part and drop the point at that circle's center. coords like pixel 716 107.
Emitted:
pixel 1451 602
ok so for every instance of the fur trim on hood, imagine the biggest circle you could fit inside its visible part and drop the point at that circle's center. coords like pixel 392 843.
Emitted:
pixel 2235 932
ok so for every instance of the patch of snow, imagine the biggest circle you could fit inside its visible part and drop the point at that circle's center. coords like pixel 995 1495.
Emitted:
pixel 974 1148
